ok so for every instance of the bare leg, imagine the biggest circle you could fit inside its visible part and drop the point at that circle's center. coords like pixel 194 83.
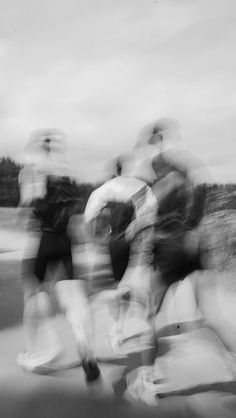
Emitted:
pixel 31 318
pixel 77 311
pixel 149 356
pixel 42 345
pixel 74 303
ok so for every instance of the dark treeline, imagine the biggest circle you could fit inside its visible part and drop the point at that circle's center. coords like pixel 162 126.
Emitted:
pixel 219 197
pixel 9 170
pixel 10 194
pixel 211 197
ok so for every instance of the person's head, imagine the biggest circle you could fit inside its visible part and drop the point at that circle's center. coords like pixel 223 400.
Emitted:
pixel 44 142
pixel 156 137
pixel 46 145
pixel 158 132
pixel 52 142
pixel 46 151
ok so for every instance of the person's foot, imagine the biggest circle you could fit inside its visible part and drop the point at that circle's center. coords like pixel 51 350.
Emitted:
pixel 35 363
pixel 141 388
pixel 142 391
pixel 91 370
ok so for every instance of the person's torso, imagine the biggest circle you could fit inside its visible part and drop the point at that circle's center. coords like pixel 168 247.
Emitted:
pixel 55 209
pixel 174 191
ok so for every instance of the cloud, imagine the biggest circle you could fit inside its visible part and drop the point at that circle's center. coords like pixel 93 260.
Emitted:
pixel 101 70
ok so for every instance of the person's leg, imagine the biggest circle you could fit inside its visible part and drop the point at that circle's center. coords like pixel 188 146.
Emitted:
pixel 172 262
pixel 173 259
pixel 47 331
pixel 136 293
pixel 119 250
pixel 73 301
pixel 30 312
pixel 161 288
pixel 30 291
pixel 135 288
pixel 145 382
pixel 170 259
pixel 41 340
pixel 48 342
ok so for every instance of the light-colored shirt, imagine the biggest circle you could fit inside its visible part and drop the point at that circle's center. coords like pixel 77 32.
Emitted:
pixel 122 189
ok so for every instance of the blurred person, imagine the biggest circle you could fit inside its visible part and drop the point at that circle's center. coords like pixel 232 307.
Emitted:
pixel 32 184
pixel 127 196
pixel 53 210
pixel 120 215
pixel 138 164
pixel 176 241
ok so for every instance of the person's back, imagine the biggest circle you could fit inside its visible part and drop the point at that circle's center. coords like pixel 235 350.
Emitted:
pixel 176 244
pixel 126 198
pixel 175 192
pixel 55 209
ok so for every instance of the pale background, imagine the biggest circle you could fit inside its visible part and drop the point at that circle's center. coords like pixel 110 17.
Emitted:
pixel 101 69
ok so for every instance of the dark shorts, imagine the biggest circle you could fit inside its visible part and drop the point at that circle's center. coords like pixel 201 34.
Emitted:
pixel 119 252
pixel 54 248
pixel 176 256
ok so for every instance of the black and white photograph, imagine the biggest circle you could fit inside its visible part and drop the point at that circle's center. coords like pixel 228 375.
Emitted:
pixel 117 208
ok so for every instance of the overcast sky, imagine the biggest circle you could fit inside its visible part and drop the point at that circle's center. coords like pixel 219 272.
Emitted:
pixel 101 69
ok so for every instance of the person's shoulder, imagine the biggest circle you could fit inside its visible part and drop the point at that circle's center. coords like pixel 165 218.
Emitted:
pixel 178 159
pixel 182 157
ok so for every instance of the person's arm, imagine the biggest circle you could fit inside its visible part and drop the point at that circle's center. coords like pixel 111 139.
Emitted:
pixel 197 171
pixel 95 205
pixel 96 202
pixel 166 185
pixel 146 216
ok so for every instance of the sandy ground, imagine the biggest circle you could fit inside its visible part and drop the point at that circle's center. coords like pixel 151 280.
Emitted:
pixel 200 374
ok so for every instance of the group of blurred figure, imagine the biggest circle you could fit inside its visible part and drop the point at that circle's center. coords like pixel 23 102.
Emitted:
pixel 151 232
